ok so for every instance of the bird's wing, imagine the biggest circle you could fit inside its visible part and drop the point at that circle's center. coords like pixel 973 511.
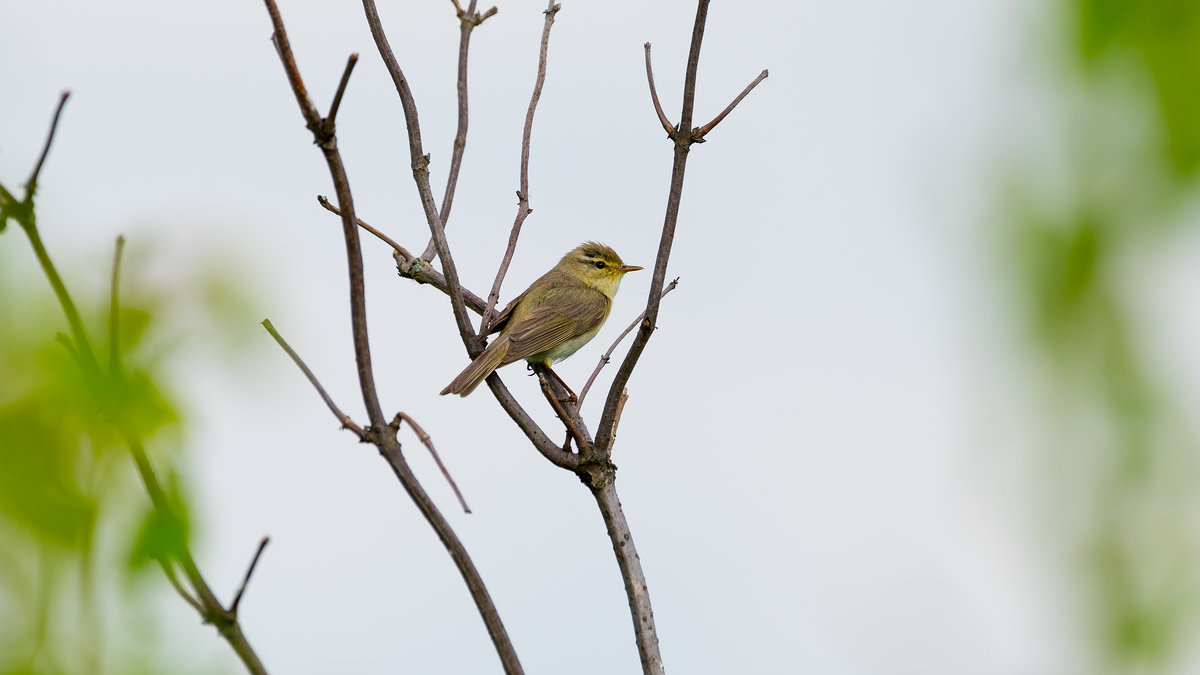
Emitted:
pixel 500 319
pixel 550 324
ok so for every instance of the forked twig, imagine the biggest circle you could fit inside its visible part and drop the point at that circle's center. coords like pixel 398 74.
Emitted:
pixel 468 20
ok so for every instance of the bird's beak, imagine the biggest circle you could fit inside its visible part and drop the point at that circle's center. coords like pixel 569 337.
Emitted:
pixel 628 268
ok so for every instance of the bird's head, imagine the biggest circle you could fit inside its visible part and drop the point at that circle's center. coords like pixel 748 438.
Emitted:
pixel 597 266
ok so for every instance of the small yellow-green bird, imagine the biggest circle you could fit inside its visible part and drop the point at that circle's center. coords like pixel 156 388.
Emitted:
pixel 554 317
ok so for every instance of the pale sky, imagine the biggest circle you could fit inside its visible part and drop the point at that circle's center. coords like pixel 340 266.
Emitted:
pixel 815 458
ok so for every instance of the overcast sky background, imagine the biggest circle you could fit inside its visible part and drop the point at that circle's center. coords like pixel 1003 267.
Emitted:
pixel 822 458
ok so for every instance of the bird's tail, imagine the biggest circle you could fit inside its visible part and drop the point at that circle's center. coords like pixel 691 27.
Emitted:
pixel 480 368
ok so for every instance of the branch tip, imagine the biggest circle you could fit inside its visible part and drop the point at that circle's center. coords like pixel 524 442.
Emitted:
pixel 662 116
pixel 237 598
pixel 342 417
pixel 699 133
pixel 31 183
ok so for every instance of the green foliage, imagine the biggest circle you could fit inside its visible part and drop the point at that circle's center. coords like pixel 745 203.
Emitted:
pixel 1125 461
pixel 1162 35
pixel 78 533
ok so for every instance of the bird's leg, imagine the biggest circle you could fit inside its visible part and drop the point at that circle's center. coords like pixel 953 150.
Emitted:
pixel 571 398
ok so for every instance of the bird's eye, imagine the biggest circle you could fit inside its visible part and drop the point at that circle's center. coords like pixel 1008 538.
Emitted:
pixel 599 264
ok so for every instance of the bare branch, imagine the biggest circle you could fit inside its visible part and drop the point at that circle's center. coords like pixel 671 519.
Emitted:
pixel 342 417
pixel 662 116
pixel 428 443
pixel 325 138
pixel 31 183
pixel 523 209
pixel 541 442
pixel 699 134
pixel 237 598
pixel 608 354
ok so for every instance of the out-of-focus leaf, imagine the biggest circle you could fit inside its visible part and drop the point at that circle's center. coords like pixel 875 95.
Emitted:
pixel 39 485
pixel 143 409
pixel 1163 36
pixel 162 536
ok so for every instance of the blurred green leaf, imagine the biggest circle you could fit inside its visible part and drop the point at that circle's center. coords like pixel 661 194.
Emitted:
pixel 163 536
pixel 1162 35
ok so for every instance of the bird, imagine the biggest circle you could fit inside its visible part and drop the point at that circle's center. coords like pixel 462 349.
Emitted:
pixel 559 313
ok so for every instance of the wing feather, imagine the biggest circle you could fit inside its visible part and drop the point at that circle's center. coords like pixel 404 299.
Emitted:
pixel 562 316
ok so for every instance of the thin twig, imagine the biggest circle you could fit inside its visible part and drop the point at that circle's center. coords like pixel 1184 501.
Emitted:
pixel 523 209
pixel 662 116
pixel 468 20
pixel 114 311
pixel 337 97
pixel 698 134
pixel 31 184
pixel 604 359
pixel 237 598
pixel 409 265
pixel 324 201
pixel 342 417
pixel 428 443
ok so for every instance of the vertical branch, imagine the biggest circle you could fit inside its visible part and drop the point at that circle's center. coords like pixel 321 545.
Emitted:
pixel 631 572
pixel 523 209
pixel 468 20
